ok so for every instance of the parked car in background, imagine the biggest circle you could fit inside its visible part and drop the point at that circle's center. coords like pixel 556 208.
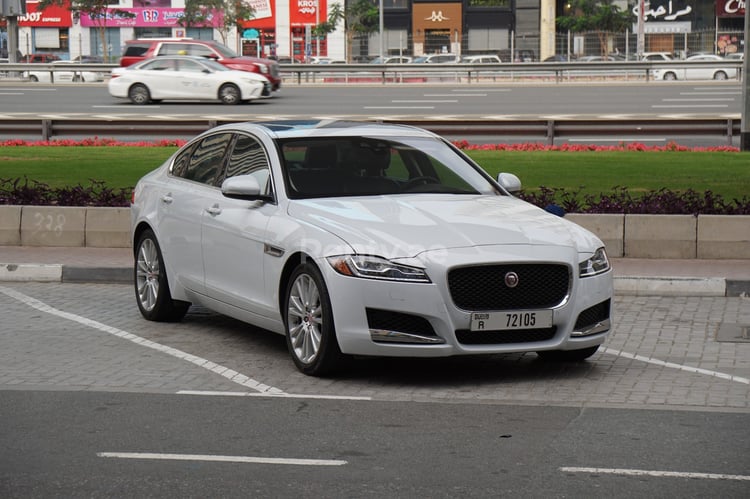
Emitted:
pixel 560 58
pixel 325 60
pixel 89 59
pixel 517 55
pixel 391 59
pixel 138 50
pixel 40 58
pixel 364 239
pixel 657 56
pixel 481 59
pixel 186 78
pixel 436 59
pixel 44 76
pixel 596 58
pixel 687 72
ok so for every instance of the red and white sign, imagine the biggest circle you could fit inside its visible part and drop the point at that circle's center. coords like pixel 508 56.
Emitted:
pixel 305 12
pixel 53 16
pixel 730 8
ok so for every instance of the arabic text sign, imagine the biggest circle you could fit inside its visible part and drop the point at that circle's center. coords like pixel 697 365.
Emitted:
pixel 663 10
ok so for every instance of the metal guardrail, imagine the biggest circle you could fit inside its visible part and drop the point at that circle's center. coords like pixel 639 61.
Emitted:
pixel 399 73
pixel 547 130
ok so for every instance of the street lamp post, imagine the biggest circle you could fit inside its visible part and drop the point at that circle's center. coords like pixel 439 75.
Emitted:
pixel 380 10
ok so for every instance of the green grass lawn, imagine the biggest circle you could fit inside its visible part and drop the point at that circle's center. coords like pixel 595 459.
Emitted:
pixel 724 173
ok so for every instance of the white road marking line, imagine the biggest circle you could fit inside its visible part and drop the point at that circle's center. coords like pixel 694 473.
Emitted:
pixel 11 93
pixel 689 105
pixel 484 90
pixel 693 99
pixel 710 93
pixel 223 459
pixel 672 365
pixel 398 107
pixel 654 473
pixel 422 101
pixel 276 395
pixel 230 374
pixel 455 95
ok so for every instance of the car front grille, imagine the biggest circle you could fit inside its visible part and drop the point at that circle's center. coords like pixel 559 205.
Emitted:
pixel 274 70
pixel 467 337
pixel 484 287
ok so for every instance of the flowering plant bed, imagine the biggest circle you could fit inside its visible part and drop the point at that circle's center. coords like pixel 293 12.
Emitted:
pixel 629 178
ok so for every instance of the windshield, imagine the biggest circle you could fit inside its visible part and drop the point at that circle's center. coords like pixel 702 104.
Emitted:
pixel 370 166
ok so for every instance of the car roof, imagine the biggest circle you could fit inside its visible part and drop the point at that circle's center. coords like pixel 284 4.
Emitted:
pixel 286 129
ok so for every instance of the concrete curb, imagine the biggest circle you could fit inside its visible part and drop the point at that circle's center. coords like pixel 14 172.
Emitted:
pixel 624 285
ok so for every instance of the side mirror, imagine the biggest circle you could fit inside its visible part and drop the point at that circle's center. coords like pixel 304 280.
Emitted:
pixel 509 182
pixel 243 187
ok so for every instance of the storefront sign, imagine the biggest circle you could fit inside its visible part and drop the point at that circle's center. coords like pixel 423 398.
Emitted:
pixel 261 8
pixel 730 8
pixel 664 10
pixel 54 16
pixel 307 12
pixel 144 17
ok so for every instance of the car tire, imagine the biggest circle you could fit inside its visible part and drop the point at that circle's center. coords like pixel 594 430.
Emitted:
pixel 308 321
pixel 568 355
pixel 33 78
pixel 151 284
pixel 670 76
pixel 230 94
pixel 139 94
pixel 720 75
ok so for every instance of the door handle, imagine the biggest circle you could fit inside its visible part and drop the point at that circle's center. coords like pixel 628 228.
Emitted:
pixel 214 210
pixel 167 198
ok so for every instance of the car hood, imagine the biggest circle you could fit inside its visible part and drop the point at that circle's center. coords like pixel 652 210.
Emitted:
pixel 406 226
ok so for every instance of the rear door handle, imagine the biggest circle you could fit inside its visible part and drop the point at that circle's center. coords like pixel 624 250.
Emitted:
pixel 214 210
pixel 167 198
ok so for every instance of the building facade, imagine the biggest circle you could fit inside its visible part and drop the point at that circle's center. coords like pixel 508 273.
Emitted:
pixel 514 29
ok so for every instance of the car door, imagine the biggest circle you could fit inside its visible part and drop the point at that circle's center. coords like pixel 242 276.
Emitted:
pixel 234 236
pixel 193 82
pixel 192 190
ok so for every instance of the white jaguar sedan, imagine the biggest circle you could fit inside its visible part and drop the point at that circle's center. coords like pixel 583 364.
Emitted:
pixel 186 78
pixel 364 239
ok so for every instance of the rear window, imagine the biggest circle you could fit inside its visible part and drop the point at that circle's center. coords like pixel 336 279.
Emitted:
pixel 136 49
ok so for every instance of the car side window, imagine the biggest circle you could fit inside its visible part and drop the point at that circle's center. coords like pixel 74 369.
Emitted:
pixel 200 50
pixel 174 49
pixel 205 160
pixel 249 158
pixel 191 66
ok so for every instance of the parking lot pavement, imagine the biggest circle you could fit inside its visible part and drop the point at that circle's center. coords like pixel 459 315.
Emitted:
pixel 633 276
pixel 684 352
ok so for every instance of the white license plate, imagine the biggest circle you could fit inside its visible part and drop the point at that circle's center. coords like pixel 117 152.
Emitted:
pixel 520 319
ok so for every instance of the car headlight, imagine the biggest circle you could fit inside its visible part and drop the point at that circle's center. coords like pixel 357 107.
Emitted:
pixel 263 68
pixel 375 267
pixel 595 265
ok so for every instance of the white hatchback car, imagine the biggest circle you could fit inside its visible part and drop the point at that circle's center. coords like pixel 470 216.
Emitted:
pixel 186 78
pixel 364 239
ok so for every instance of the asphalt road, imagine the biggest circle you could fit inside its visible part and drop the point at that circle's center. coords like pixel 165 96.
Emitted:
pixel 514 100
pixel 96 401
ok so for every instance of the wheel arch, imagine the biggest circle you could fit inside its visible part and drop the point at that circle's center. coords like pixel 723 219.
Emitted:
pixel 291 263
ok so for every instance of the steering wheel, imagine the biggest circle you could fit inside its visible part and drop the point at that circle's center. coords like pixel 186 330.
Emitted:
pixel 422 180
